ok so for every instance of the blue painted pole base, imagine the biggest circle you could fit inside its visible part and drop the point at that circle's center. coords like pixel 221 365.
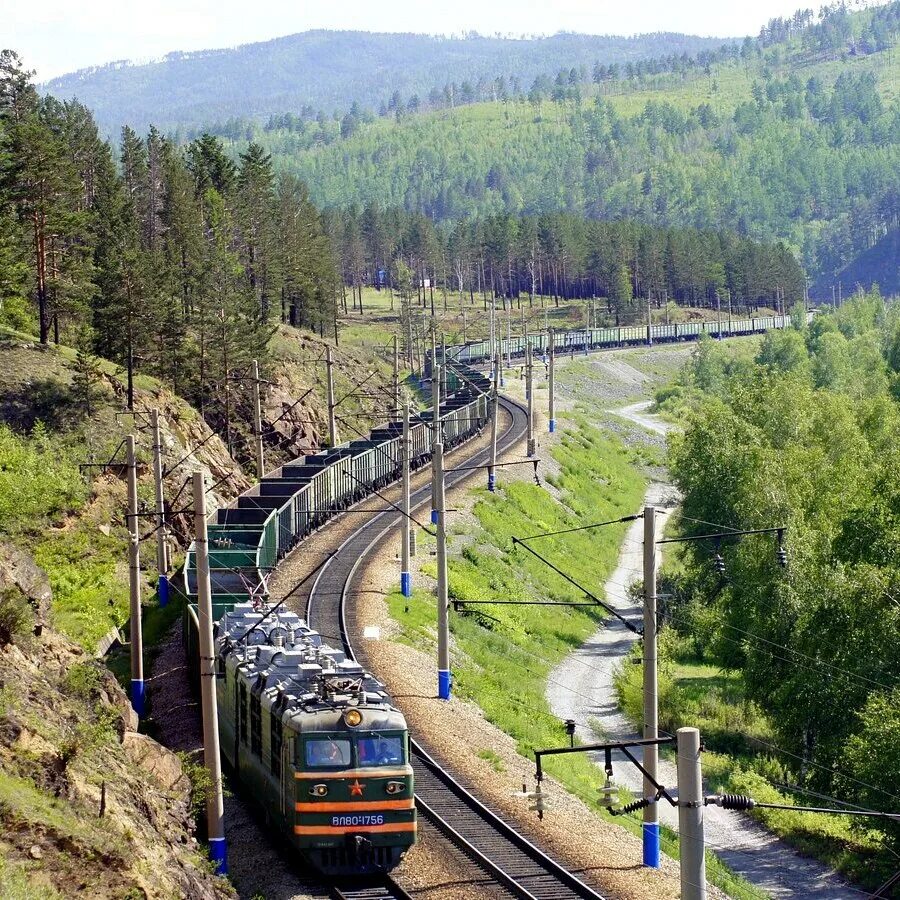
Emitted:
pixel 137 696
pixel 406 584
pixel 492 483
pixel 218 853
pixel 651 845
pixel 434 517
pixel 502 380
pixel 162 590
pixel 444 681
pixel 552 425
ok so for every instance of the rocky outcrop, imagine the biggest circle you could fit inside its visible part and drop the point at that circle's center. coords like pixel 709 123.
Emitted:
pixel 88 806
pixel 19 572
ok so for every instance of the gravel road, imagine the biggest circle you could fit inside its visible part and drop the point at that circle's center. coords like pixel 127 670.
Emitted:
pixel 742 843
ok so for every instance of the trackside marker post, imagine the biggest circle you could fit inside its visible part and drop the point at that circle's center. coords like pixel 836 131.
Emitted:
pixel 215 810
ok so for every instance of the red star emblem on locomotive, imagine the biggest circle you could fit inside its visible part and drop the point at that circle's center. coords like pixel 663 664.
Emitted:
pixel 356 789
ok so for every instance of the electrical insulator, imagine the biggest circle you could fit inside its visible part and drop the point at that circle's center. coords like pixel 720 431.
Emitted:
pixel 782 557
pixel 608 794
pixel 537 805
pixel 734 801
pixel 719 563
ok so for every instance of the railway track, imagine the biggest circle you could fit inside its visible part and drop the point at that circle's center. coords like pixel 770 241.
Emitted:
pixel 386 889
pixel 514 864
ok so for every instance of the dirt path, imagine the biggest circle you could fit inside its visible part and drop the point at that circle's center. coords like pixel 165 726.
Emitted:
pixel 747 847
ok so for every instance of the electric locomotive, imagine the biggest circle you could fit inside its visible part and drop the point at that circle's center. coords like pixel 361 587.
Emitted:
pixel 316 742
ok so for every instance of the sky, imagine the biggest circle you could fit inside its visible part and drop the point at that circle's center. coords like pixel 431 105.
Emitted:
pixel 57 36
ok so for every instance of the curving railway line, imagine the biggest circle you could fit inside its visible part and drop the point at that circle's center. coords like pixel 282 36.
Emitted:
pixel 511 861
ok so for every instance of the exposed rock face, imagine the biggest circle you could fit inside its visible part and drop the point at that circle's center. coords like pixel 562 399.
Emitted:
pixel 18 570
pixel 88 807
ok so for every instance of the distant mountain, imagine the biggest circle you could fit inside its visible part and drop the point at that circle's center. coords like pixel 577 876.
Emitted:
pixel 330 70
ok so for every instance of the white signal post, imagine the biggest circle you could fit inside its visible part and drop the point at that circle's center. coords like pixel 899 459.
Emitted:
pixel 134 582
pixel 215 810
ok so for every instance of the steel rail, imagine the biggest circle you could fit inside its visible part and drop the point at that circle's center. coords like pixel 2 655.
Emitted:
pixel 497 848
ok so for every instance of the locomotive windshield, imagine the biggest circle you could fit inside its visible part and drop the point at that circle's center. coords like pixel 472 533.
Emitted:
pixel 328 753
pixel 380 751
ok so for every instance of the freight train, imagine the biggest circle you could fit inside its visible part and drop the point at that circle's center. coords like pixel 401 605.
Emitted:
pixel 312 736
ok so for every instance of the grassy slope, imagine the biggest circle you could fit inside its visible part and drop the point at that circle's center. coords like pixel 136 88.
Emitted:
pixel 502 656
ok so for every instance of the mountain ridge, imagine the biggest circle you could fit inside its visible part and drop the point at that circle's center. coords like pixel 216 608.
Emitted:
pixel 262 78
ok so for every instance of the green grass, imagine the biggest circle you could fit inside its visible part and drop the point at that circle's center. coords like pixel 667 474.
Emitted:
pixel 18 883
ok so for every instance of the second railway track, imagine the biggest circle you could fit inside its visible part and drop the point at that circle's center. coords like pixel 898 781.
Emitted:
pixel 513 863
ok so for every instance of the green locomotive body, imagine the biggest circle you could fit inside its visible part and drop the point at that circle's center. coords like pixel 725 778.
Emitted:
pixel 315 741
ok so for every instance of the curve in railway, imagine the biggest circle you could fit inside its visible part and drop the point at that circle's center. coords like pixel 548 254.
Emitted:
pixel 496 847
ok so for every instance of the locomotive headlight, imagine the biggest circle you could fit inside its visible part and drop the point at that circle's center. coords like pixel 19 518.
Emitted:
pixel 353 717
pixel 394 787
pixel 319 790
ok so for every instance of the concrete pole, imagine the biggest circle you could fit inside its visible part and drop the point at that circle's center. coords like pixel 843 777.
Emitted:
pixel 529 388
pixel 134 582
pixel 407 535
pixel 509 337
pixel 690 816
pixel 396 383
pixel 443 623
pixel 649 323
pixel 551 340
pixel 162 547
pixel 257 423
pixel 436 437
pixel 651 752
pixel 215 811
pixel 445 371
pixel 493 316
pixel 495 403
pixel 332 425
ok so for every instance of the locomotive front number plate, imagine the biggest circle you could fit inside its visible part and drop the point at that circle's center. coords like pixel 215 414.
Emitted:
pixel 353 821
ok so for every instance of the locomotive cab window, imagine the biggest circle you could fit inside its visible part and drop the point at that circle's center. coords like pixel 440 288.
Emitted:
pixel 380 750
pixel 328 753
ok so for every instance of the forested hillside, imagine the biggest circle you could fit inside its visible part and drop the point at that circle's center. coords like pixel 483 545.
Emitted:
pixel 330 70
pixel 804 436
pixel 794 135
